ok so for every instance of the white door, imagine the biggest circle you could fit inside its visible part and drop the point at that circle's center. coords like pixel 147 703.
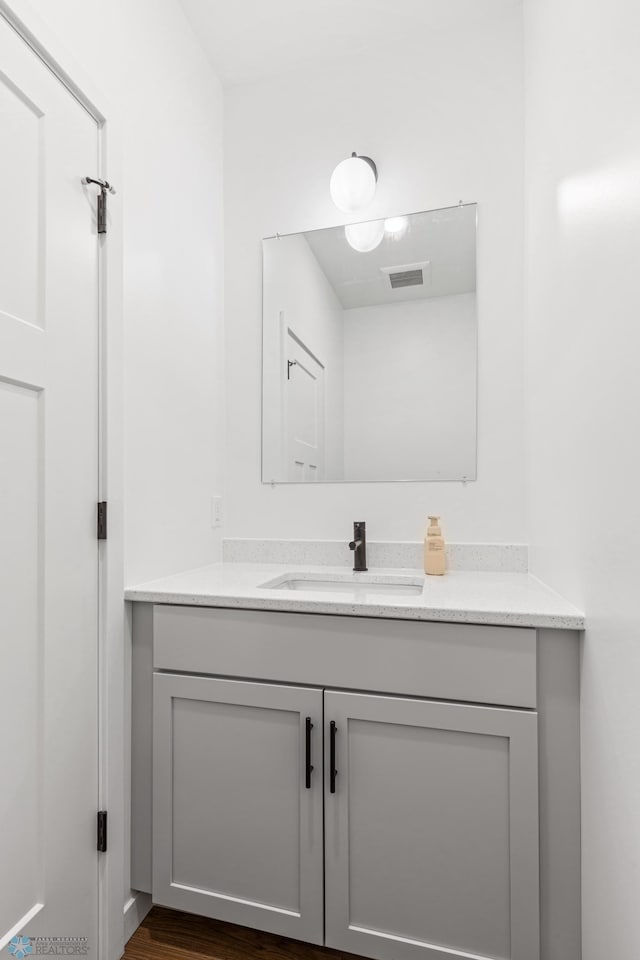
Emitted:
pixel 48 493
pixel 304 405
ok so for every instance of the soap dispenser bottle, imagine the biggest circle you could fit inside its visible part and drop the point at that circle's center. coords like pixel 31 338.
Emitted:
pixel 434 554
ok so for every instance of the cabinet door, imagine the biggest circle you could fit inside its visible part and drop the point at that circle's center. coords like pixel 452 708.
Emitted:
pixel 237 818
pixel 431 835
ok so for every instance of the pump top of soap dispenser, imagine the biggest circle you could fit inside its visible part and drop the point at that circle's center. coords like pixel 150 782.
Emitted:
pixel 433 530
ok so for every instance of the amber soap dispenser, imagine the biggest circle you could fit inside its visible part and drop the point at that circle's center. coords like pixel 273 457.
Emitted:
pixel 435 562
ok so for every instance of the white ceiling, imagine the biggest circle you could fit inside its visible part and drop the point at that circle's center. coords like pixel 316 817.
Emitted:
pixel 248 40
pixel 443 240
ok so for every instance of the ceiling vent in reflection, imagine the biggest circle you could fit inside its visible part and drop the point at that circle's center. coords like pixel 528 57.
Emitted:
pixel 408 274
pixel 408 278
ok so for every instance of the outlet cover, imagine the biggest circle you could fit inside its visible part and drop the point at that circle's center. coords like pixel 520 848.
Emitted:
pixel 216 511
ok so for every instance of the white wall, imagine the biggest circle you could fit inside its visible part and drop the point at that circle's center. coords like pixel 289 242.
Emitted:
pixel 297 295
pixel 410 389
pixel 147 60
pixel 444 126
pixel 583 345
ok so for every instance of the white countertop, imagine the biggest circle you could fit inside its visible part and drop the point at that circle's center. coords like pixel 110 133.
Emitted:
pixel 503 599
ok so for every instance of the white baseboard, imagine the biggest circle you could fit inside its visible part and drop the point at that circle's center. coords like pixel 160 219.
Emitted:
pixel 135 910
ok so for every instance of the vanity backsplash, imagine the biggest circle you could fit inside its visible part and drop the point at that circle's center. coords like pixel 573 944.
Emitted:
pixel 483 557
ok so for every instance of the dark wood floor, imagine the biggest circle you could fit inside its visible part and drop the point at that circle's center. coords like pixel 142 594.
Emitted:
pixel 166 935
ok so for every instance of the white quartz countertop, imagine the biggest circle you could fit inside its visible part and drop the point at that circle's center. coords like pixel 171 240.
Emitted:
pixel 503 599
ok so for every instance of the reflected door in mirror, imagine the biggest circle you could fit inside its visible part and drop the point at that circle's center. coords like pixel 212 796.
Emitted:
pixel 304 413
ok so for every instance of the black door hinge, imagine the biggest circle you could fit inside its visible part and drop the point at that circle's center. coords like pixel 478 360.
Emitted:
pixel 102 520
pixel 102 831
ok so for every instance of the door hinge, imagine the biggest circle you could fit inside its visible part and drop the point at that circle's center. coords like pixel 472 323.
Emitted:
pixel 102 831
pixel 102 520
pixel 105 187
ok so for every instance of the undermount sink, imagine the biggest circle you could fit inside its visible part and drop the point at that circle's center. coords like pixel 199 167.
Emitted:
pixel 359 585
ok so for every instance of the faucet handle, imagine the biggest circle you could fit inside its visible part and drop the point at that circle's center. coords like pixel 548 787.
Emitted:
pixel 359 546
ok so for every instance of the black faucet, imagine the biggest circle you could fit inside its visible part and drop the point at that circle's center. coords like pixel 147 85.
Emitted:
pixel 359 546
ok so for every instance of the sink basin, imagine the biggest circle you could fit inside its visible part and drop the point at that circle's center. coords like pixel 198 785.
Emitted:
pixel 363 586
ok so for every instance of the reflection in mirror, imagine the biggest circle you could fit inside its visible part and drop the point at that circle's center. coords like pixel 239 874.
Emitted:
pixel 370 351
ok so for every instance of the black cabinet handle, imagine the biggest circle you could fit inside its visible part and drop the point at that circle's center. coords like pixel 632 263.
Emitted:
pixel 308 765
pixel 332 756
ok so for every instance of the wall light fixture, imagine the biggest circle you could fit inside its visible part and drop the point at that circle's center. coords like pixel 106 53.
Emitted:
pixel 353 183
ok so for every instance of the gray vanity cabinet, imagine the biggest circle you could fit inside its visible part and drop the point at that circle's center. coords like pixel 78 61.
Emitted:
pixel 450 828
pixel 431 833
pixel 237 818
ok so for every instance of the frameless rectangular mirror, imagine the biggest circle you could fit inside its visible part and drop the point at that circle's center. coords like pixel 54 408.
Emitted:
pixel 370 351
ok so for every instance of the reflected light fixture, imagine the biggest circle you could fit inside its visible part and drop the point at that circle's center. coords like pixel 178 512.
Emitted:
pixel 396 227
pixel 353 183
pixel 365 237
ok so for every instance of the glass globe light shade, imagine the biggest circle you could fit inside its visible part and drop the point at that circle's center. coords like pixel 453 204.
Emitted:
pixel 353 184
pixel 365 237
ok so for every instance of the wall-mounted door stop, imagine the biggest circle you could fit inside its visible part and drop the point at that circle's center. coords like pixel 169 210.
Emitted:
pixel 105 187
